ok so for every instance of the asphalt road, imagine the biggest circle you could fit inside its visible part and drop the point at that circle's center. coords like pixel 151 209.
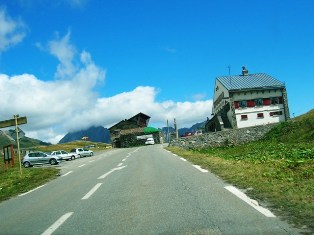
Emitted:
pixel 144 190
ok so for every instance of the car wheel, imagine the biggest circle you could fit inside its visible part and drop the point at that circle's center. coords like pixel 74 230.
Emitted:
pixel 53 161
pixel 26 164
pixel 91 154
pixel 72 158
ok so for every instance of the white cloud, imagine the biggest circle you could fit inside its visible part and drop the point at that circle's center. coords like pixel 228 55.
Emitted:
pixel 56 107
pixel 12 31
pixel 65 53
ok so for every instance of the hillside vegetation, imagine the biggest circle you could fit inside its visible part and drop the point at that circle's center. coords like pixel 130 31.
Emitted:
pixel 277 170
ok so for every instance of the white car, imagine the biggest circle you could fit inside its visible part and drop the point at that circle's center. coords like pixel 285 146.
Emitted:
pixel 82 152
pixel 63 155
pixel 150 141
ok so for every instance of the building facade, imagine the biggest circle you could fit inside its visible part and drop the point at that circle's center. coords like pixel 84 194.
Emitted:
pixel 248 100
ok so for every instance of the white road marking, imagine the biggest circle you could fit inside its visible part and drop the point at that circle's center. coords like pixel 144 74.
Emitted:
pixel 57 224
pixel 249 201
pixel 67 173
pixel 183 159
pixel 120 164
pixel 93 190
pixel 82 165
pixel 91 160
pixel 109 172
pixel 31 190
pixel 124 159
pixel 200 169
pixel 174 154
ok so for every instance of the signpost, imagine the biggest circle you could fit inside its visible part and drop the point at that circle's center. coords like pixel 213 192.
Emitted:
pixel 15 122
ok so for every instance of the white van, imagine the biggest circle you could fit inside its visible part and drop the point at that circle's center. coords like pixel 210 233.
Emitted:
pixel 150 141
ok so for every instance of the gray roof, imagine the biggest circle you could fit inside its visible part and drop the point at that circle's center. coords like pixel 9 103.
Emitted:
pixel 250 81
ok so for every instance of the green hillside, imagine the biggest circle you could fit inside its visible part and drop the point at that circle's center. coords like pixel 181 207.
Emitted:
pixel 297 130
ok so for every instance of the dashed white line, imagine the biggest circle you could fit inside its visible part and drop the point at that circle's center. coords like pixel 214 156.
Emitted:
pixel 200 169
pixel 249 201
pixel 82 165
pixel 93 190
pixel 109 172
pixel 31 190
pixel 91 160
pixel 174 154
pixel 183 159
pixel 120 164
pixel 124 159
pixel 67 173
pixel 57 224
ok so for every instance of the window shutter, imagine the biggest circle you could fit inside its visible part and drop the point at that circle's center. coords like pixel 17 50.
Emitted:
pixel 236 104
pixel 266 101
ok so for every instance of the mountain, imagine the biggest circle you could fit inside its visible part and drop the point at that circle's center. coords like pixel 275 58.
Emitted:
pixel 182 131
pixel 95 134
pixel 8 137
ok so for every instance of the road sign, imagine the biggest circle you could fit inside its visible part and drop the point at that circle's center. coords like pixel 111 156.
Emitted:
pixel 11 122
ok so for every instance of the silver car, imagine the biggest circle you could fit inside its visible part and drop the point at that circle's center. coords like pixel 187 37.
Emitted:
pixel 64 155
pixel 39 158
pixel 82 152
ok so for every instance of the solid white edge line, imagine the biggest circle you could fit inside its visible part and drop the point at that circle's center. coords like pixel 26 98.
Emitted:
pixel 93 190
pixel 200 169
pixel 67 173
pixel 183 159
pixel 250 201
pixel 82 165
pixel 32 190
pixel 57 224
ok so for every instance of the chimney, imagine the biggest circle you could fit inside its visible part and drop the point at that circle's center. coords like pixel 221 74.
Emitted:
pixel 244 71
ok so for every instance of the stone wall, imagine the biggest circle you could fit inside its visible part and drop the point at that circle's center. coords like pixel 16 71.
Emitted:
pixel 222 138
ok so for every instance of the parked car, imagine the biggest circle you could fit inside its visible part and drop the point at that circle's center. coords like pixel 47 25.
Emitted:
pixel 64 155
pixel 150 141
pixel 82 152
pixel 39 158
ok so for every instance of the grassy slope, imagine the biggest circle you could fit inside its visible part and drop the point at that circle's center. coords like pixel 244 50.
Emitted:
pixel 278 171
pixel 13 183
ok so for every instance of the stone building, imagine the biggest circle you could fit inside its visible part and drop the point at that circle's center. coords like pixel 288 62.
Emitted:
pixel 248 100
pixel 133 132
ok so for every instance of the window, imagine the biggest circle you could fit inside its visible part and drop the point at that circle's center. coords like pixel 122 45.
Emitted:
pixel 244 117
pixel 258 102
pixel 278 113
pixel 250 103
pixel 280 100
pixel 242 104
pixel 274 100
pixel 260 115
pixel 236 104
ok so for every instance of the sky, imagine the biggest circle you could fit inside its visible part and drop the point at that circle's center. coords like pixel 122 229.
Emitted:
pixel 71 64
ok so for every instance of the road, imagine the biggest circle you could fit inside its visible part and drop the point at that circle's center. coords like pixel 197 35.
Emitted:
pixel 145 190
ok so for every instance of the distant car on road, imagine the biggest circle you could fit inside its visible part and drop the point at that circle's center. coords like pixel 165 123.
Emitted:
pixel 82 152
pixel 64 155
pixel 150 141
pixel 39 158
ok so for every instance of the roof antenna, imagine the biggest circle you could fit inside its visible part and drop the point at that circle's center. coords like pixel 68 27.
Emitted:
pixel 229 68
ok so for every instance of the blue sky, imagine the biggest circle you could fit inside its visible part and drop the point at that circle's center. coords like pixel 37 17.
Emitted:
pixel 69 64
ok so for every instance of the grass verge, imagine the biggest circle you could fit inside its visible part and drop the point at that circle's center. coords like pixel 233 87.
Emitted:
pixel 13 183
pixel 279 176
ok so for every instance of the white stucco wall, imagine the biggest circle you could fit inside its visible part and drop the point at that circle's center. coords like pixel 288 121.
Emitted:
pixel 251 112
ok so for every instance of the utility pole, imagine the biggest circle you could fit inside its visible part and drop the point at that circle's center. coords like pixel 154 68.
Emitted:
pixel 18 141
pixel 176 129
pixel 168 137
